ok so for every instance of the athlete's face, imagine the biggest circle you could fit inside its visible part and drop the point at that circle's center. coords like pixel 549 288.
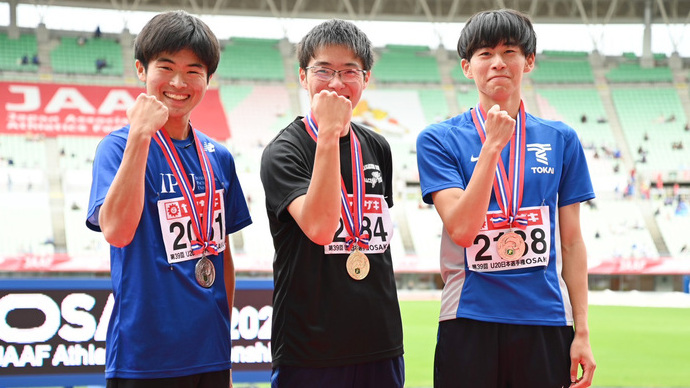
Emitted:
pixel 497 71
pixel 336 58
pixel 179 80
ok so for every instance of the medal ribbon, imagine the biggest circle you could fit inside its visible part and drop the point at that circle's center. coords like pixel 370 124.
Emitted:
pixel 508 189
pixel 202 243
pixel 352 214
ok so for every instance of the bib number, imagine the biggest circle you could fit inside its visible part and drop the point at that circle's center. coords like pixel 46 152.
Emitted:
pixel 376 223
pixel 483 255
pixel 176 226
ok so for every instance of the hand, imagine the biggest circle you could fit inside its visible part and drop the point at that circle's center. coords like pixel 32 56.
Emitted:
pixel 581 355
pixel 499 127
pixel 147 115
pixel 332 113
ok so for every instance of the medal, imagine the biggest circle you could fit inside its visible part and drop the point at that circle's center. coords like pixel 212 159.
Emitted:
pixel 510 246
pixel 357 265
pixel 205 272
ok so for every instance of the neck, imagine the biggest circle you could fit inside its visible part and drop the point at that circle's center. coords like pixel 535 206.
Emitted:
pixel 177 131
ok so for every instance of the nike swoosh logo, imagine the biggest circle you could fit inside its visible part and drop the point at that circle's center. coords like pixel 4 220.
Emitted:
pixel 474 158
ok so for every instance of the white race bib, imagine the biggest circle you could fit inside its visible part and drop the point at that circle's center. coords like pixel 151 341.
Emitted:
pixel 376 222
pixel 176 226
pixel 482 256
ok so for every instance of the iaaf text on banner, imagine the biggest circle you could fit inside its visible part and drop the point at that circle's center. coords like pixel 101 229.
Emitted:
pixel 63 109
pixel 52 331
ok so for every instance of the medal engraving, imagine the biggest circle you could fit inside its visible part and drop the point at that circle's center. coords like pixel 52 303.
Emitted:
pixel 205 272
pixel 357 265
pixel 511 246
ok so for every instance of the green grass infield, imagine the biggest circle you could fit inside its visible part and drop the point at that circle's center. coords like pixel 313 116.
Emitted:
pixel 633 346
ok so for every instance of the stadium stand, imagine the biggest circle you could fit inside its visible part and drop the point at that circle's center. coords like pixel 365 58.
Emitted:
pixel 616 228
pixel 434 104
pixel 76 152
pixel 653 120
pixel 80 241
pixel 72 57
pixel 634 73
pixel 255 114
pixel 458 76
pixel 467 98
pixel 563 67
pixel 17 54
pixel 25 201
pixel 23 151
pixel 674 223
pixel 411 87
pixel 581 108
pixel 251 59
pixel 406 64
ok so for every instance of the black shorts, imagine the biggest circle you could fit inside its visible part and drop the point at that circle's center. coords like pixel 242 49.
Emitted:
pixel 477 354
pixel 202 380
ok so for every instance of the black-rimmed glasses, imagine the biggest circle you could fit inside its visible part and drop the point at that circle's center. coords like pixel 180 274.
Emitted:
pixel 346 75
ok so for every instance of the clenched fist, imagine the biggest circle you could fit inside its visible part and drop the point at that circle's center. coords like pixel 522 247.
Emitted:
pixel 147 115
pixel 332 113
pixel 499 127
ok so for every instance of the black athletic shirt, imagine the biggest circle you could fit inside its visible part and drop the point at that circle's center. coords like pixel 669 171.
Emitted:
pixel 321 316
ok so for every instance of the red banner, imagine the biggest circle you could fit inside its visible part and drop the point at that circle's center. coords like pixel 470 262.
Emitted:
pixel 83 110
pixel 641 266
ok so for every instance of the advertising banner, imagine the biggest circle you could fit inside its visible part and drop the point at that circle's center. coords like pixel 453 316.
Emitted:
pixel 84 110
pixel 52 331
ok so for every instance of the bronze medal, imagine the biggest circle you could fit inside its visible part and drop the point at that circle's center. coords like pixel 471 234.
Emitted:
pixel 510 246
pixel 357 265
pixel 205 272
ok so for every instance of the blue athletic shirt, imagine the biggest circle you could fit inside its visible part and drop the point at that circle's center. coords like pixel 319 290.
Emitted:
pixel 478 283
pixel 163 323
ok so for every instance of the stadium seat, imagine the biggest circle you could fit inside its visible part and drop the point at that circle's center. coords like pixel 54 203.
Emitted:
pixel 562 71
pixel 458 76
pixel 71 57
pixel 569 104
pixel 658 113
pixel 406 64
pixel 25 151
pixel 252 59
pixel 632 72
pixel 13 50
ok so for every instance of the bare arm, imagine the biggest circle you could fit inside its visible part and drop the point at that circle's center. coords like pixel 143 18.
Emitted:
pixel 120 213
pixel 463 211
pixel 318 212
pixel 575 276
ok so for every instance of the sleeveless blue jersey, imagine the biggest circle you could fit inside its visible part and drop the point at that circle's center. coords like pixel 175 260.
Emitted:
pixel 529 291
pixel 163 323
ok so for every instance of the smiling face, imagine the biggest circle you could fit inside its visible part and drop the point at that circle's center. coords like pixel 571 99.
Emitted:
pixel 336 58
pixel 178 80
pixel 497 72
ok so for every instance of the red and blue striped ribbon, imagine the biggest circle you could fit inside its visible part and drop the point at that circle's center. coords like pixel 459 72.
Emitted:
pixel 352 214
pixel 202 242
pixel 508 188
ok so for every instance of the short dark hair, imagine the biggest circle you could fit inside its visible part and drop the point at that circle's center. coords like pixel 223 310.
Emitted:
pixel 491 28
pixel 335 32
pixel 170 32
